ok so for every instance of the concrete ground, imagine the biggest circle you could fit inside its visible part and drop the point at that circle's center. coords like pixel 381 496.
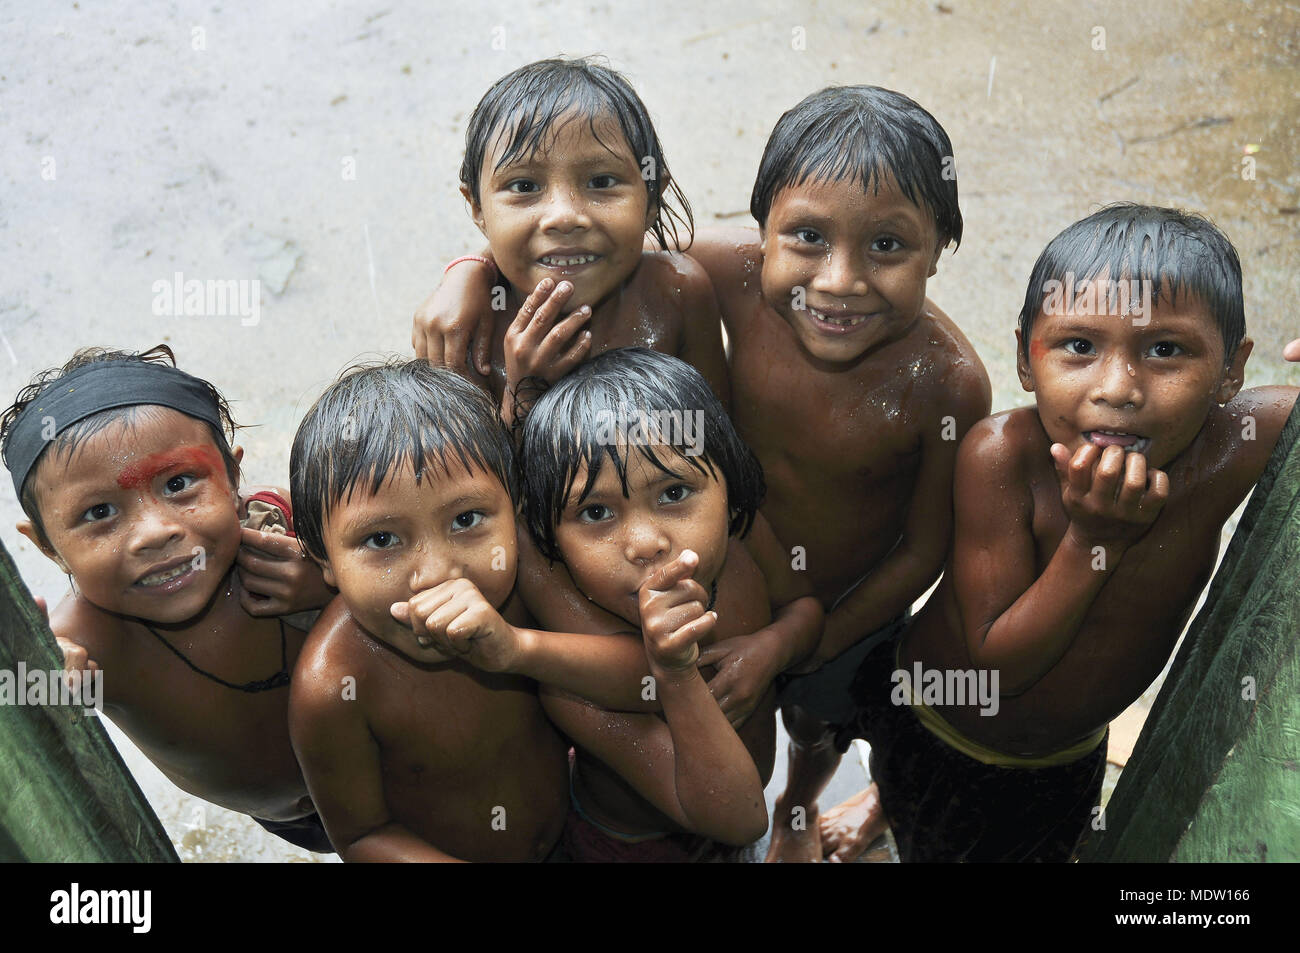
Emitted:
pixel 314 147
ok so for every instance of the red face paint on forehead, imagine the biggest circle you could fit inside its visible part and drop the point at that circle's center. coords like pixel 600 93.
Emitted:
pixel 205 461
pixel 1037 348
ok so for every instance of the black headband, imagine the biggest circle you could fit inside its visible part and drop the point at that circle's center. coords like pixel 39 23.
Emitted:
pixel 102 385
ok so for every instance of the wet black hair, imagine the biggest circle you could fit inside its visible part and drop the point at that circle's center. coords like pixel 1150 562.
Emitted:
pixel 380 416
pixel 563 435
pixel 523 110
pixel 67 441
pixel 1180 253
pixel 862 133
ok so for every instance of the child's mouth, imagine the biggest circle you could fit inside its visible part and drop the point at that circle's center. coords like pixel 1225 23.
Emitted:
pixel 167 579
pixel 567 263
pixel 1131 442
pixel 837 323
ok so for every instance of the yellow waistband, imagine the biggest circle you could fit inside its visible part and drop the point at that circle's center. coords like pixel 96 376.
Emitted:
pixel 945 732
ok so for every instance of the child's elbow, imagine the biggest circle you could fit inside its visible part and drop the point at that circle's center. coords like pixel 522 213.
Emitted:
pixel 747 825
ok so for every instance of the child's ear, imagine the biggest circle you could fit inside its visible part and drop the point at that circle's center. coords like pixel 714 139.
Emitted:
pixel 28 529
pixel 327 573
pixel 762 240
pixel 1235 375
pixel 1022 364
pixel 652 208
pixel 475 210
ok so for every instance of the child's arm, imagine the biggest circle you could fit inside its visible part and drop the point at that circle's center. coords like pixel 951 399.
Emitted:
pixel 458 316
pixel 340 763
pixel 701 325
pixel 916 561
pixel 1016 620
pixel 1292 351
pixel 453 620
pixel 691 766
pixel 748 664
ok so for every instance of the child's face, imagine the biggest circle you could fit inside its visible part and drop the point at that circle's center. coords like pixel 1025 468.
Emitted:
pixel 408 537
pixel 611 543
pixel 1103 379
pixel 574 212
pixel 131 511
pixel 846 267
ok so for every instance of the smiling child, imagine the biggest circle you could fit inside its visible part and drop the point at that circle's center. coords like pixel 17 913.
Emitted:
pixel 1085 529
pixel 123 466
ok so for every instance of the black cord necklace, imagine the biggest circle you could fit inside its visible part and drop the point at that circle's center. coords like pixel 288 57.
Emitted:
pixel 261 685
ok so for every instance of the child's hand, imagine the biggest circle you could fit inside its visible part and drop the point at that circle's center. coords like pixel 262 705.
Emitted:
pixel 746 665
pixel 455 318
pixel 536 346
pixel 76 658
pixel 1109 495
pixel 454 619
pixel 276 577
pixel 1292 351
pixel 673 617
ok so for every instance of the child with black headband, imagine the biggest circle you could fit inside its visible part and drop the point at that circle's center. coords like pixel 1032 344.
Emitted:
pixel 123 466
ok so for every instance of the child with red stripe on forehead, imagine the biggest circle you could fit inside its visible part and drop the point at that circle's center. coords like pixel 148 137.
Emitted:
pixel 124 468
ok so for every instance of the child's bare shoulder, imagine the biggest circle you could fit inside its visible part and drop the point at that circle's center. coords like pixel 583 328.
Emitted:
pixel 948 363
pixel 100 633
pixel 673 277
pixel 1005 445
pixel 333 650
pixel 1240 436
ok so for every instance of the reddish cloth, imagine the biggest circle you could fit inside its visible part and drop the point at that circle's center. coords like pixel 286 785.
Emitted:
pixel 585 843
pixel 279 502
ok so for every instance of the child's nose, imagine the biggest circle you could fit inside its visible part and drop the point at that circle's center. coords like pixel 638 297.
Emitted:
pixel 842 276
pixel 564 211
pixel 430 570
pixel 155 527
pixel 1118 381
pixel 644 543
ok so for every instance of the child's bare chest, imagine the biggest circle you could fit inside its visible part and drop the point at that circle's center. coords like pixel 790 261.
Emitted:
pixel 443 721
pixel 808 424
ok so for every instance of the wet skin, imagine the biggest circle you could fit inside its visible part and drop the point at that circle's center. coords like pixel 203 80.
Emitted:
pixel 131 502
pixel 412 768
pixel 578 198
pixel 1076 645
pixel 849 424
pixel 611 544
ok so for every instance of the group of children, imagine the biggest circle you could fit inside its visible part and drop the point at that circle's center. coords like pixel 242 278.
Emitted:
pixel 573 557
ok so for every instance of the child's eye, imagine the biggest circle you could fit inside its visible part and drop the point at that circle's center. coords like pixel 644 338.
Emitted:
pixel 595 513
pixel 99 512
pixel 178 484
pixel 522 186
pixel 1164 349
pixel 381 540
pixel 603 181
pixel 1079 347
pixel 675 493
pixel 467 520
pixel 889 244
pixel 809 235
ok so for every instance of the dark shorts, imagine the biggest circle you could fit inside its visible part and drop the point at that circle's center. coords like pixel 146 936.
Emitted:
pixel 945 806
pixel 305 832
pixel 827 693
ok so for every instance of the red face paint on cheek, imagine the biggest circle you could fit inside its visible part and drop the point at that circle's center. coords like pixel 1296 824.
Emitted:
pixel 1037 348
pixel 201 461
